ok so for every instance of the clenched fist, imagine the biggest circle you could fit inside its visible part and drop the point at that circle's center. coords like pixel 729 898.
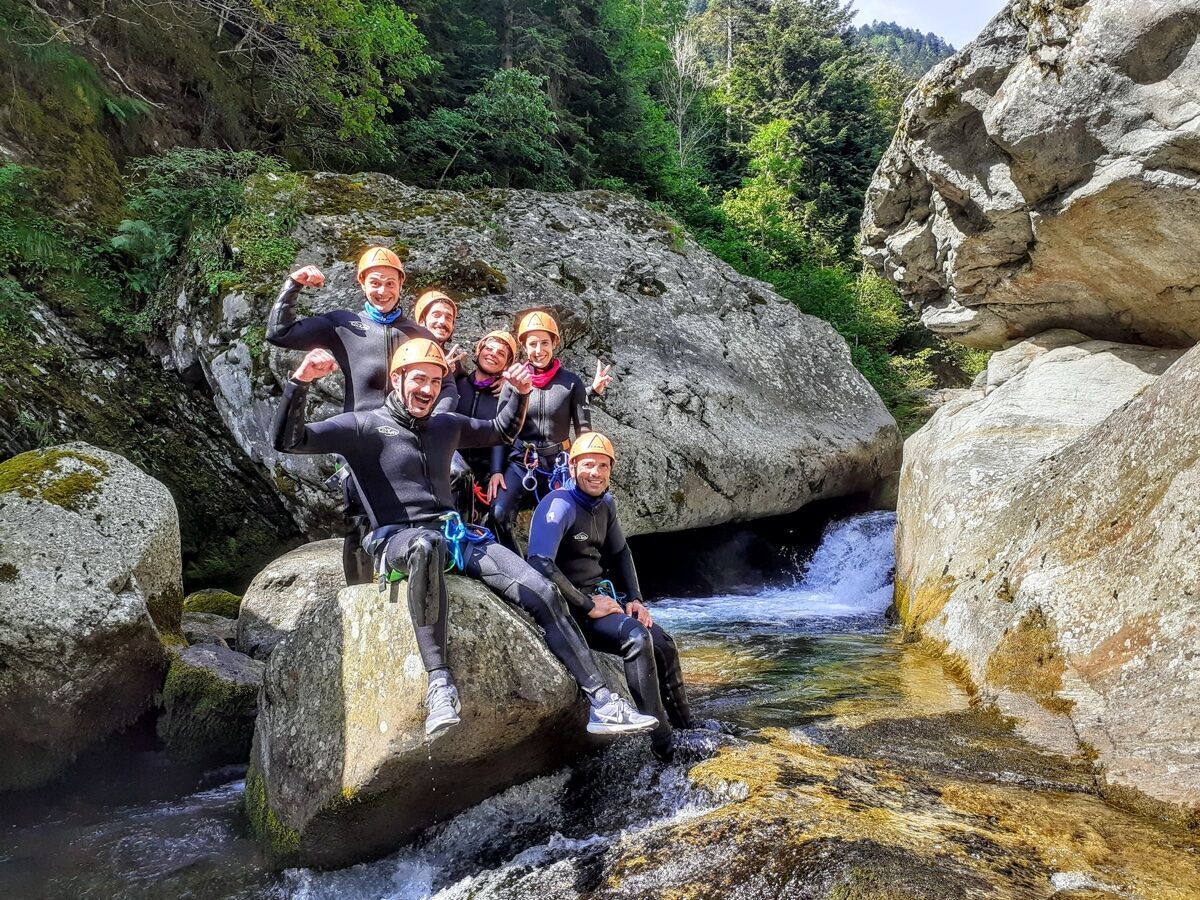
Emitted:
pixel 309 276
pixel 317 364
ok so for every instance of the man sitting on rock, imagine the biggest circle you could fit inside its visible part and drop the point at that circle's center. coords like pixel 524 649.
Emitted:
pixel 400 454
pixel 575 540
pixel 362 343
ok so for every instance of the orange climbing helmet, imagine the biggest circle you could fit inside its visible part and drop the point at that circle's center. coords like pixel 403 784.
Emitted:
pixel 427 300
pixel 379 256
pixel 538 320
pixel 418 350
pixel 592 442
pixel 504 337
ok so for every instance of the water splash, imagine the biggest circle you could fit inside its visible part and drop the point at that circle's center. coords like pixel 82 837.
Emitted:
pixel 849 576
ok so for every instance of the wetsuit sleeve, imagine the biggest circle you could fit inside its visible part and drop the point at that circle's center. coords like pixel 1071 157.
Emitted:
pixel 285 330
pixel 581 412
pixel 501 430
pixel 290 433
pixel 499 452
pixel 448 398
pixel 551 520
pixel 620 560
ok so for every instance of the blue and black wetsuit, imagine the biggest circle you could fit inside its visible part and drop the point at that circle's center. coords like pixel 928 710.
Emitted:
pixel 553 410
pixel 576 541
pixel 363 348
pixel 402 466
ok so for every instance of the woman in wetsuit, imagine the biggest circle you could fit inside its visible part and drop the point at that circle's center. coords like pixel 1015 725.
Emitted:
pixel 479 396
pixel 559 402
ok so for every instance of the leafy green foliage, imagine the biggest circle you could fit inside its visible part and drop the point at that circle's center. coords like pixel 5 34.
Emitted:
pixel 503 134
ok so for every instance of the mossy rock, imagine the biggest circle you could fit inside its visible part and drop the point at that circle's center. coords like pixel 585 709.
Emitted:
pixel 67 478
pixel 209 701
pixel 213 600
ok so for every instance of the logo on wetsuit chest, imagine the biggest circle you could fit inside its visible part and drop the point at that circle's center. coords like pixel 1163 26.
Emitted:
pixel 581 536
pixel 388 430
pixel 358 326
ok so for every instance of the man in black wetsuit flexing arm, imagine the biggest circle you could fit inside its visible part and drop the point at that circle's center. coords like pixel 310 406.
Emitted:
pixel 362 344
pixel 576 541
pixel 400 454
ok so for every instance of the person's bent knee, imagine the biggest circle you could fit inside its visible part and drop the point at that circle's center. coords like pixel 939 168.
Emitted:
pixel 638 641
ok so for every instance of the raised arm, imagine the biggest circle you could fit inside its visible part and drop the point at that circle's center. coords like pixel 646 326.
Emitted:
pixel 291 434
pixel 285 330
pixel 448 399
pixel 581 412
pixel 509 417
pixel 551 520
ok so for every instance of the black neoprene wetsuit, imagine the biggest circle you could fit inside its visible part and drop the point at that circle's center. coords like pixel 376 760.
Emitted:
pixel 574 540
pixel 363 349
pixel 553 410
pixel 403 469
pixel 482 403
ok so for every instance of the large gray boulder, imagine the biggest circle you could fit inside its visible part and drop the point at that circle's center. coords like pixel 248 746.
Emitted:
pixel 341 769
pixel 1048 176
pixel 1047 539
pixel 89 576
pixel 283 590
pixel 728 404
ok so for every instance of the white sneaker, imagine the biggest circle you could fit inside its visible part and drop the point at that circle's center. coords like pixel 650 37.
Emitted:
pixel 618 717
pixel 441 707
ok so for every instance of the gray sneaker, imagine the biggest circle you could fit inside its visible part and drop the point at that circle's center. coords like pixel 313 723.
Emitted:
pixel 441 707
pixel 618 717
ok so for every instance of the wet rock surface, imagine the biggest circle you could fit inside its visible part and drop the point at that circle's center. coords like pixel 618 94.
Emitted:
pixel 1047 176
pixel 728 402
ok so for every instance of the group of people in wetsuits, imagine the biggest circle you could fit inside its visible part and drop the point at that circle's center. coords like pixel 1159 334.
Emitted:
pixel 417 425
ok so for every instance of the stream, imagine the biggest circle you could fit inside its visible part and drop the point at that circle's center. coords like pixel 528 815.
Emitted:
pixel 836 761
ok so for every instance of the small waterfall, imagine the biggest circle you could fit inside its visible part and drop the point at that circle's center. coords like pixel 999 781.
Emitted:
pixel 849 576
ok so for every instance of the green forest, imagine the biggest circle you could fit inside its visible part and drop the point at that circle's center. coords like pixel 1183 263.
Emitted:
pixel 128 126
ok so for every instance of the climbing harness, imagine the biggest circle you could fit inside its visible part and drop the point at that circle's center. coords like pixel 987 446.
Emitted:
pixel 606 587
pixel 458 534
pixel 557 477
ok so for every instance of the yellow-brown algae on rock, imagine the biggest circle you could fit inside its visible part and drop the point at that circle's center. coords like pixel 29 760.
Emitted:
pixel 802 819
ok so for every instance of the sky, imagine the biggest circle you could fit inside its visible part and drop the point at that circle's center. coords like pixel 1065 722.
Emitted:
pixel 958 21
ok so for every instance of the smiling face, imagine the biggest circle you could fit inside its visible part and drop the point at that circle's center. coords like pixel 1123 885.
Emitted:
pixel 492 357
pixel 539 348
pixel 439 319
pixel 382 286
pixel 592 472
pixel 419 385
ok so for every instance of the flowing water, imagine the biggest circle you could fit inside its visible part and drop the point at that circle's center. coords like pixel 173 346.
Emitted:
pixel 836 761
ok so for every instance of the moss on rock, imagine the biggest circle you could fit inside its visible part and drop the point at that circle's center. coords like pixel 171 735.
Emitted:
pixel 281 842
pixel 206 716
pixel 213 600
pixel 8 573
pixel 50 475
